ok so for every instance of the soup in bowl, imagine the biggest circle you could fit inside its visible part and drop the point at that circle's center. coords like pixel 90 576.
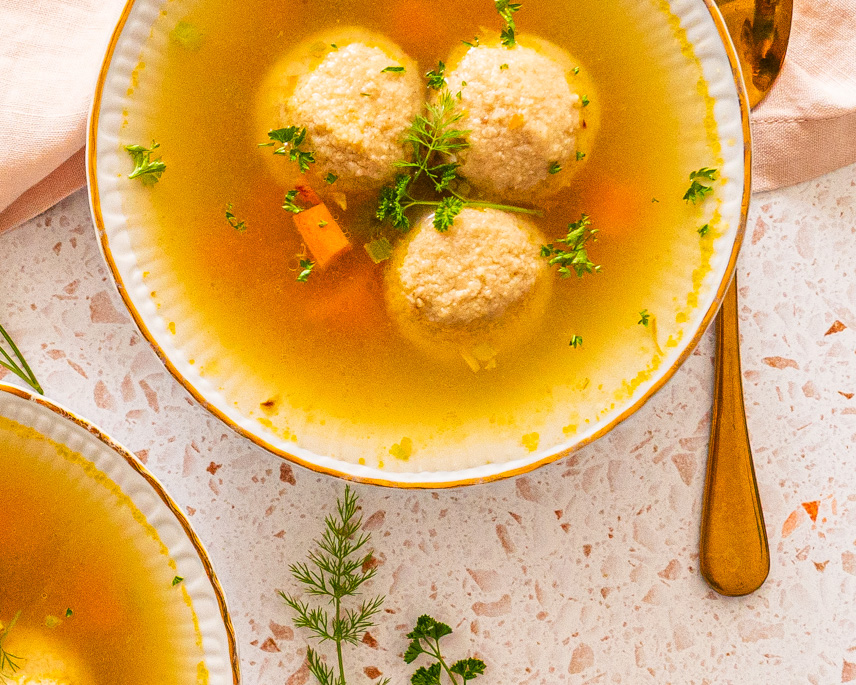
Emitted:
pixel 421 244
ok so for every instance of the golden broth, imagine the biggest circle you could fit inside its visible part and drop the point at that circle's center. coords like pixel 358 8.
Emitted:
pixel 65 532
pixel 323 355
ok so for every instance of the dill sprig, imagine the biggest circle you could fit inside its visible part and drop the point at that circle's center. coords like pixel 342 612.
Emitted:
pixel 14 361
pixel 337 568
pixel 146 169
pixel 433 138
pixel 425 639
pixel 9 663
pixel 570 253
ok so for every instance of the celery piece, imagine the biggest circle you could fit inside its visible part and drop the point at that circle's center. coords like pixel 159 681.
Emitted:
pixel 379 249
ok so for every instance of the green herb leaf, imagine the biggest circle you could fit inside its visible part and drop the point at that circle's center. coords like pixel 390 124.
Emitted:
pixel 555 168
pixel 187 35
pixel 379 250
pixel 291 138
pixel 176 580
pixel 580 156
pixel 437 79
pixel 576 70
pixel 396 70
pixel 69 613
pixel 428 628
pixel 468 669
pixel 506 10
pixel 570 253
pixel 9 663
pixel 289 204
pixel 331 178
pixel 503 67
pixel 427 676
pixel 697 190
pixel 306 267
pixel 447 210
pixel 239 226
pixel 644 317
pixel 12 360
pixel 703 231
pixel 474 44
pixel 147 170
pixel 576 341
pixel 585 100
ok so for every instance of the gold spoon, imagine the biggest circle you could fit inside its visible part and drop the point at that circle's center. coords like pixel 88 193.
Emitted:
pixel 734 553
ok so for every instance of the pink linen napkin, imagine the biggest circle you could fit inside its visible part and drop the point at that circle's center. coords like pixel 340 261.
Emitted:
pixel 51 50
pixel 50 54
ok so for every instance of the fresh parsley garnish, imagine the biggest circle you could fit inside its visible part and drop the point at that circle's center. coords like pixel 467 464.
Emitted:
pixel 331 178
pixel 337 568
pixel 176 580
pixel 239 226
pixel 506 10
pixel 644 317
pixel 146 169
pixel 395 70
pixel 503 67
pixel 580 156
pixel 474 44
pixel 570 253
pixel 289 204
pixel 306 266
pixel 703 231
pixel 576 70
pixel 425 639
pixel 585 100
pixel 698 190
pixel 437 79
pixel 432 135
pixel 576 341
pixel 555 168
pixel 69 613
pixel 291 138
pixel 14 361
pixel 9 663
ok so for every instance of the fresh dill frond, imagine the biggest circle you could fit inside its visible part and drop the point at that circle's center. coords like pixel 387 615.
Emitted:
pixel 9 663
pixel 570 253
pixel 697 190
pixel 239 226
pixel 506 10
pixel 146 169
pixel 14 361
pixel 433 138
pixel 291 138
pixel 336 571
pixel 425 639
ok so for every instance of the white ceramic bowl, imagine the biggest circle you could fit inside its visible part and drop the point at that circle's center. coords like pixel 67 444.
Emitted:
pixel 702 65
pixel 114 476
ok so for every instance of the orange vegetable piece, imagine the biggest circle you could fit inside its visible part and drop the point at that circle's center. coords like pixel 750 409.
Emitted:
pixel 321 233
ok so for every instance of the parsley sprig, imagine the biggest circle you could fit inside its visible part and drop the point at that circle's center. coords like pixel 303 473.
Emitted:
pixel 506 10
pixel 9 663
pixel 239 226
pixel 306 266
pixel 425 639
pixel 570 253
pixel 14 361
pixel 698 190
pixel 146 169
pixel 336 570
pixel 291 138
pixel 433 137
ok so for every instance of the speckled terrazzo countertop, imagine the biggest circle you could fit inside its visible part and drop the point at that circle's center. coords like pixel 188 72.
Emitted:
pixel 585 571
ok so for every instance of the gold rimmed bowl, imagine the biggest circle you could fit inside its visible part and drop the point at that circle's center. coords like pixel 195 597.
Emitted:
pixel 639 319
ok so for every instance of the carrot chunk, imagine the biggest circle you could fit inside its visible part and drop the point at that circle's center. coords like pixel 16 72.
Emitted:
pixel 322 235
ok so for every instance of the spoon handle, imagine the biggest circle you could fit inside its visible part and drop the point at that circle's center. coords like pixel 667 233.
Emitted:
pixel 735 556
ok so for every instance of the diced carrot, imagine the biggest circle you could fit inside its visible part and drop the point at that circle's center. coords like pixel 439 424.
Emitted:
pixel 321 234
pixel 306 194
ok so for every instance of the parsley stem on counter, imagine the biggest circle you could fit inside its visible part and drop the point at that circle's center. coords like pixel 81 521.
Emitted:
pixel 337 568
pixel 14 361
pixel 425 639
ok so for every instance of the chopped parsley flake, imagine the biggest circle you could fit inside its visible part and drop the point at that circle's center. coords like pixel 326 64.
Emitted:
pixel 697 190
pixel 570 253
pixel 148 171
pixel 703 231
pixel 289 204
pixel 580 156
pixel 644 316
pixel 576 70
pixel 585 100
pixel 331 178
pixel 395 70
pixel 576 341
pixel 506 10
pixel 239 226
pixel 322 223
pixel 291 138
pixel 474 44
pixel 555 168
pixel 176 580
pixel 306 266
pixel 503 67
